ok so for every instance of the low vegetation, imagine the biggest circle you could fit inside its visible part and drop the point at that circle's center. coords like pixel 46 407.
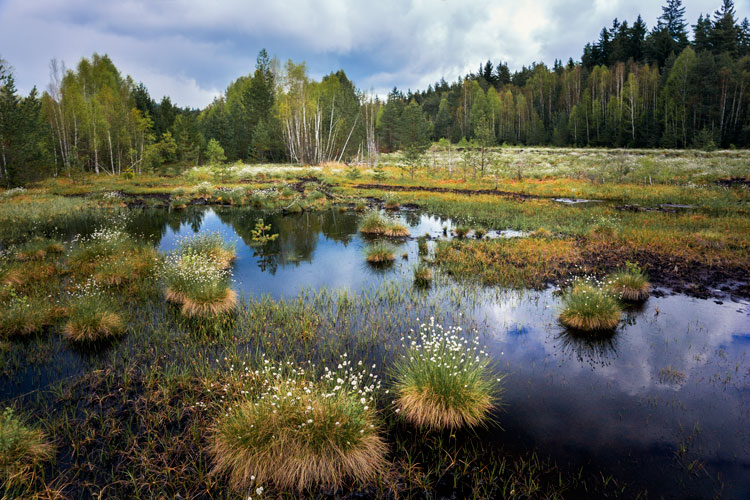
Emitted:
pixel 302 429
pixel 380 253
pixel 23 449
pixel 630 284
pixel 92 316
pixel 444 379
pixel 590 308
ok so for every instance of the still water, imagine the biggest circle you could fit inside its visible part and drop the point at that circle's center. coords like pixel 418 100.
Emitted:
pixel 663 403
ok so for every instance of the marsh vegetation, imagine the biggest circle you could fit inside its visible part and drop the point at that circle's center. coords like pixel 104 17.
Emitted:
pixel 244 344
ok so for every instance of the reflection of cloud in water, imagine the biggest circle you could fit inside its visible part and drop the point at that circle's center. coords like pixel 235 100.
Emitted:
pixel 604 395
pixel 596 393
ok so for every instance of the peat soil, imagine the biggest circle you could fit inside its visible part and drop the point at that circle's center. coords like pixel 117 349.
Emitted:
pixel 678 275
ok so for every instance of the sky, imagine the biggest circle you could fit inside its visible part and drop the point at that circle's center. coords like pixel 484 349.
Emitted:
pixel 192 49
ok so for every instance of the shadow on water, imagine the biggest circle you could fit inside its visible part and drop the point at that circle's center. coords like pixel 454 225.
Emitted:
pixel 611 402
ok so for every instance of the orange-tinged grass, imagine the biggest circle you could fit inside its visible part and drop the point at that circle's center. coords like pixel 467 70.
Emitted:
pixel 101 326
pixel 424 408
pixel 195 307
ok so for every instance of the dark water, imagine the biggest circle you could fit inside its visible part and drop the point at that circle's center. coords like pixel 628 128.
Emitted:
pixel 664 402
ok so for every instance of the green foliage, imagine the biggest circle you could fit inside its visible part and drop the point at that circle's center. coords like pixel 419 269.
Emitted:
pixel 215 153
pixel 301 429
pixel 260 233
pixel 22 450
pixel 443 380
pixel 590 308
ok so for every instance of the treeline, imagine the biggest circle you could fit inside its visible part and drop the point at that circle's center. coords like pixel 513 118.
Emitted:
pixel 633 87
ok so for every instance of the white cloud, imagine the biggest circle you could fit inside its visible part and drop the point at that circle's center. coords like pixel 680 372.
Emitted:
pixel 190 48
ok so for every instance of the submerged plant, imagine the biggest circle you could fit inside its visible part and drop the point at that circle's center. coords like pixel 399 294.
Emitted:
pixel 589 308
pixel 199 284
pixel 92 315
pixel 444 379
pixel 380 253
pixel 22 449
pixel 302 429
pixel 630 284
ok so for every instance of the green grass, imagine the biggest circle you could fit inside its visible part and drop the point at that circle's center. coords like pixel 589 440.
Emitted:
pixel 92 316
pixel 380 253
pixel 590 308
pixel 630 283
pixel 302 430
pixel 25 315
pixel 23 449
pixel 443 381
pixel 198 283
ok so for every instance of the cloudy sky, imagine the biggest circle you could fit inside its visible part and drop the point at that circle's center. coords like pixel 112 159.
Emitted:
pixel 191 49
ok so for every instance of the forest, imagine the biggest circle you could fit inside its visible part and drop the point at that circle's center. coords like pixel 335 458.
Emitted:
pixel 674 86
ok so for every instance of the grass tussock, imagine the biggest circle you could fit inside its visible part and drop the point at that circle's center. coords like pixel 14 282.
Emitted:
pixel 630 284
pixel 92 316
pixel 444 379
pixel 422 275
pixel 301 430
pixel 590 308
pixel 211 245
pixel 22 450
pixel 38 249
pixel 376 224
pixel 24 314
pixel 380 253
pixel 198 283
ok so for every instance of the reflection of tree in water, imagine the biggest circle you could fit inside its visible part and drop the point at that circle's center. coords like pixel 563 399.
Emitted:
pixel 411 217
pixel 298 234
pixel 595 350
pixel 152 224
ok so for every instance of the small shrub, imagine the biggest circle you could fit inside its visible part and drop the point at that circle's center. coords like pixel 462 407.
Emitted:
pixel 353 173
pixel 444 379
pixel 92 316
pixel 22 450
pixel 302 429
pixel 178 203
pixel 630 284
pixel 589 308
pixel 480 233
pixel 380 253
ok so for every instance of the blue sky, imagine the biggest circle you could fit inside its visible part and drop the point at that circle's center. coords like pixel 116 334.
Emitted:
pixel 191 50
